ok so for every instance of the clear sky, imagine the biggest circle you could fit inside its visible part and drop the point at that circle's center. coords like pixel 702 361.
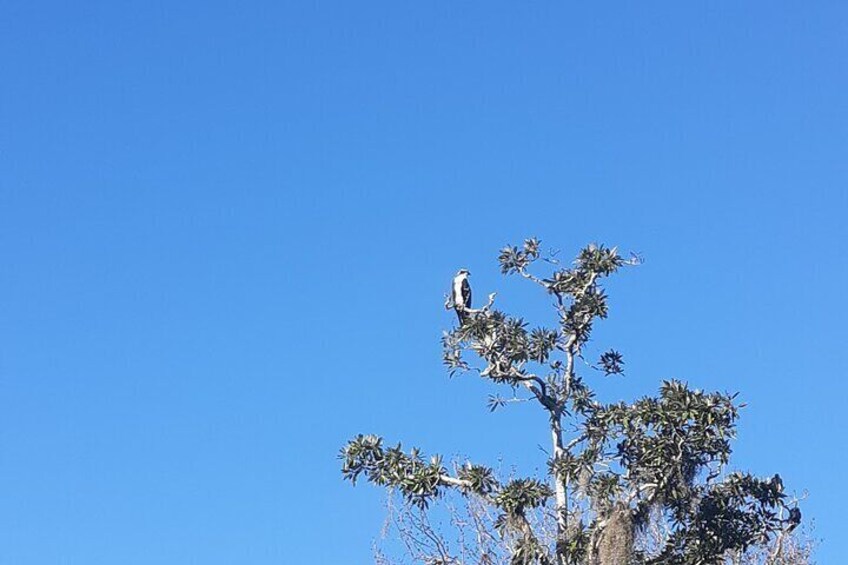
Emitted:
pixel 226 231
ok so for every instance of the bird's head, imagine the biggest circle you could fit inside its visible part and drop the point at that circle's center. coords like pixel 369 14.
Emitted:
pixel 463 273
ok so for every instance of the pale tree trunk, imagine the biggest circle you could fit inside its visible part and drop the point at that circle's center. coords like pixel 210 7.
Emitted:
pixel 560 489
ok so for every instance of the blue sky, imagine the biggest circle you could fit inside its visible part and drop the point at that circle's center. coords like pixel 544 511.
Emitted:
pixel 226 231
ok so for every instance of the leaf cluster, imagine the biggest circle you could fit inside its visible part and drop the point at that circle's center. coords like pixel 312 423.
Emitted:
pixel 663 443
pixel 733 515
pixel 417 480
pixel 513 259
pixel 421 481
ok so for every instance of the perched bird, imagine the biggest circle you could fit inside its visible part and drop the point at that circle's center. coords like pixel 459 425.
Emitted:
pixel 777 483
pixel 461 294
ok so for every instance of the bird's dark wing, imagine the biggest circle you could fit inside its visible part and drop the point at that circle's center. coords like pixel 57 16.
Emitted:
pixel 466 293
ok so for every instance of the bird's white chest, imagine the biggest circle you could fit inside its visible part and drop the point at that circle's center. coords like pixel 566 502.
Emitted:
pixel 457 290
pixel 457 287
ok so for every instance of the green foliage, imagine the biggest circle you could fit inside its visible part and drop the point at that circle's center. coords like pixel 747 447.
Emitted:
pixel 419 481
pixel 520 494
pixel 665 455
pixel 734 514
pixel 515 260
pixel 612 363
pixel 663 443
pixel 480 479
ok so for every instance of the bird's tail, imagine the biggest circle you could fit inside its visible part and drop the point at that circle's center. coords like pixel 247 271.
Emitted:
pixel 461 314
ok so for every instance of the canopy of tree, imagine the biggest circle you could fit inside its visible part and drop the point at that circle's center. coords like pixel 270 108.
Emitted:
pixel 641 482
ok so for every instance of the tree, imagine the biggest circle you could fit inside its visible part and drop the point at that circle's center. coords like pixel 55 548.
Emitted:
pixel 642 482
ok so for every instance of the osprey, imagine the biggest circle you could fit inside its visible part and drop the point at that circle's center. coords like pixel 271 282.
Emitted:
pixel 461 294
